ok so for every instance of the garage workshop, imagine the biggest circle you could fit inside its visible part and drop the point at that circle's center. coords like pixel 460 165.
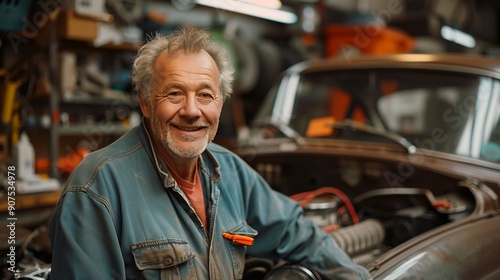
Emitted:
pixel 249 139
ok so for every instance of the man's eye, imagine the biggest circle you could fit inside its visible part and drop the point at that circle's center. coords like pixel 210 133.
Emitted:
pixel 204 98
pixel 175 96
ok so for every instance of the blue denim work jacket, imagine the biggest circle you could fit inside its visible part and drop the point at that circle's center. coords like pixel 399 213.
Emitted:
pixel 122 216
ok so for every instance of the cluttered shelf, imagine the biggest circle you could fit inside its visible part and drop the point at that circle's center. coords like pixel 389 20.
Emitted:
pixel 84 113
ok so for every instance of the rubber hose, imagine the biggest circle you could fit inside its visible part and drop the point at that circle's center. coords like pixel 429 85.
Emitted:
pixel 360 238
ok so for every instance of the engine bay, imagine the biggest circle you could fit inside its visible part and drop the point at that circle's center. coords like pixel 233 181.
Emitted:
pixel 368 207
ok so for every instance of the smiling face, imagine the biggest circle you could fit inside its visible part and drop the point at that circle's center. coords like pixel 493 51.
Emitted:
pixel 185 105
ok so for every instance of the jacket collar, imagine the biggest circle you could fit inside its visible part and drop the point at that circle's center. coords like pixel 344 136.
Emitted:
pixel 208 164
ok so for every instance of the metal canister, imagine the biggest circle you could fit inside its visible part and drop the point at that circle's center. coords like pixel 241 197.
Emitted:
pixel 322 210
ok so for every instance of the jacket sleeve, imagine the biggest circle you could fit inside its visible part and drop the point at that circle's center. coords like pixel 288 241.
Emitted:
pixel 284 233
pixel 84 241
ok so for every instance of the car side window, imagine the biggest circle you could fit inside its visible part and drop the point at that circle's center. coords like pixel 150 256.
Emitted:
pixel 490 146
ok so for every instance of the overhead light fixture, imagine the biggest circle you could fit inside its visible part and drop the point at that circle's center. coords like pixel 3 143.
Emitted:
pixel 457 36
pixel 271 4
pixel 244 7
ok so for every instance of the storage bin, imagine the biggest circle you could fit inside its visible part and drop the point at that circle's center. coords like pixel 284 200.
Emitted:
pixel 14 14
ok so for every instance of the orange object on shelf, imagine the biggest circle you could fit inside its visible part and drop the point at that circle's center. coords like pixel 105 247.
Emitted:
pixel 68 163
pixel 366 38
pixel 64 164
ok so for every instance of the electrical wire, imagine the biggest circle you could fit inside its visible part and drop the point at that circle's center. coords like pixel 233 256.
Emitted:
pixel 306 197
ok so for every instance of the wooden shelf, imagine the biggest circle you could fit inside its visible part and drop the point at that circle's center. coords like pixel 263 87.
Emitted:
pixel 33 200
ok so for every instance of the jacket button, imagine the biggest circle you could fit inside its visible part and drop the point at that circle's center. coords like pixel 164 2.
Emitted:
pixel 169 260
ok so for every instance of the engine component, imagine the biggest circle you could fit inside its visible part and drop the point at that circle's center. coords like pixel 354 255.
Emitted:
pixel 360 238
pixel 410 222
pixel 322 210
pixel 307 198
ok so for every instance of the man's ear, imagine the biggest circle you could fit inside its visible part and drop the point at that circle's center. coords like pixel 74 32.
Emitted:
pixel 145 106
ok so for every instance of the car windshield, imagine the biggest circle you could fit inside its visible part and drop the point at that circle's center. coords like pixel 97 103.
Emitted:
pixel 444 111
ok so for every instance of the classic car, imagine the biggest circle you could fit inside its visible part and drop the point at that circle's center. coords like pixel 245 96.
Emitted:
pixel 396 156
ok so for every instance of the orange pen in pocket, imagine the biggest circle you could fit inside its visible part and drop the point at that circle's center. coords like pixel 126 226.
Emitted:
pixel 240 239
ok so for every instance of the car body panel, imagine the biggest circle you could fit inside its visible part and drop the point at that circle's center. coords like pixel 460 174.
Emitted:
pixel 458 251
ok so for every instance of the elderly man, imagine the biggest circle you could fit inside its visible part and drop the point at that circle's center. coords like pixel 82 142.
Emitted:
pixel 163 202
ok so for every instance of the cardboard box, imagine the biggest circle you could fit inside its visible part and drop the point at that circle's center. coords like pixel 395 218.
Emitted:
pixel 75 27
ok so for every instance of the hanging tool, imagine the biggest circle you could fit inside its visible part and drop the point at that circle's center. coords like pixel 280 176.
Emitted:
pixel 10 122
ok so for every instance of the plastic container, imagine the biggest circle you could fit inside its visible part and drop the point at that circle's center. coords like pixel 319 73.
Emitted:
pixel 25 158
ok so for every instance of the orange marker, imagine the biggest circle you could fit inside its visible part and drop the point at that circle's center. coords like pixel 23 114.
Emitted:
pixel 240 239
pixel 443 204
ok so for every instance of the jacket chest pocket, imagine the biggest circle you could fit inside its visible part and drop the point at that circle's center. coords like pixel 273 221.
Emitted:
pixel 163 259
pixel 238 251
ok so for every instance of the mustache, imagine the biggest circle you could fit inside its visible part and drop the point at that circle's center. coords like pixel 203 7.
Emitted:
pixel 189 123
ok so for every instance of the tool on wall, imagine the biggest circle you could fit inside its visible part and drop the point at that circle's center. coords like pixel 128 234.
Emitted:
pixel 8 90
pixel 18 84
pixel 11 79
pixel 10 126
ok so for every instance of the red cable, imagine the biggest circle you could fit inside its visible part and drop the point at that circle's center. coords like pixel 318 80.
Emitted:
pixel 306 197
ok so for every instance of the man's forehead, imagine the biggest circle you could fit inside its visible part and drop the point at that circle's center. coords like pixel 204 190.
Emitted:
pixel 202 59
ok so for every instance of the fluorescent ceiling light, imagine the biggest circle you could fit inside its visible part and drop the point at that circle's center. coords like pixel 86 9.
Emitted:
pixel 457 36
pixel 251 10
pixel 271 4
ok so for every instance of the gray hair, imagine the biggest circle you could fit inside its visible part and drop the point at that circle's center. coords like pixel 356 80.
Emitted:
pixel 181 41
